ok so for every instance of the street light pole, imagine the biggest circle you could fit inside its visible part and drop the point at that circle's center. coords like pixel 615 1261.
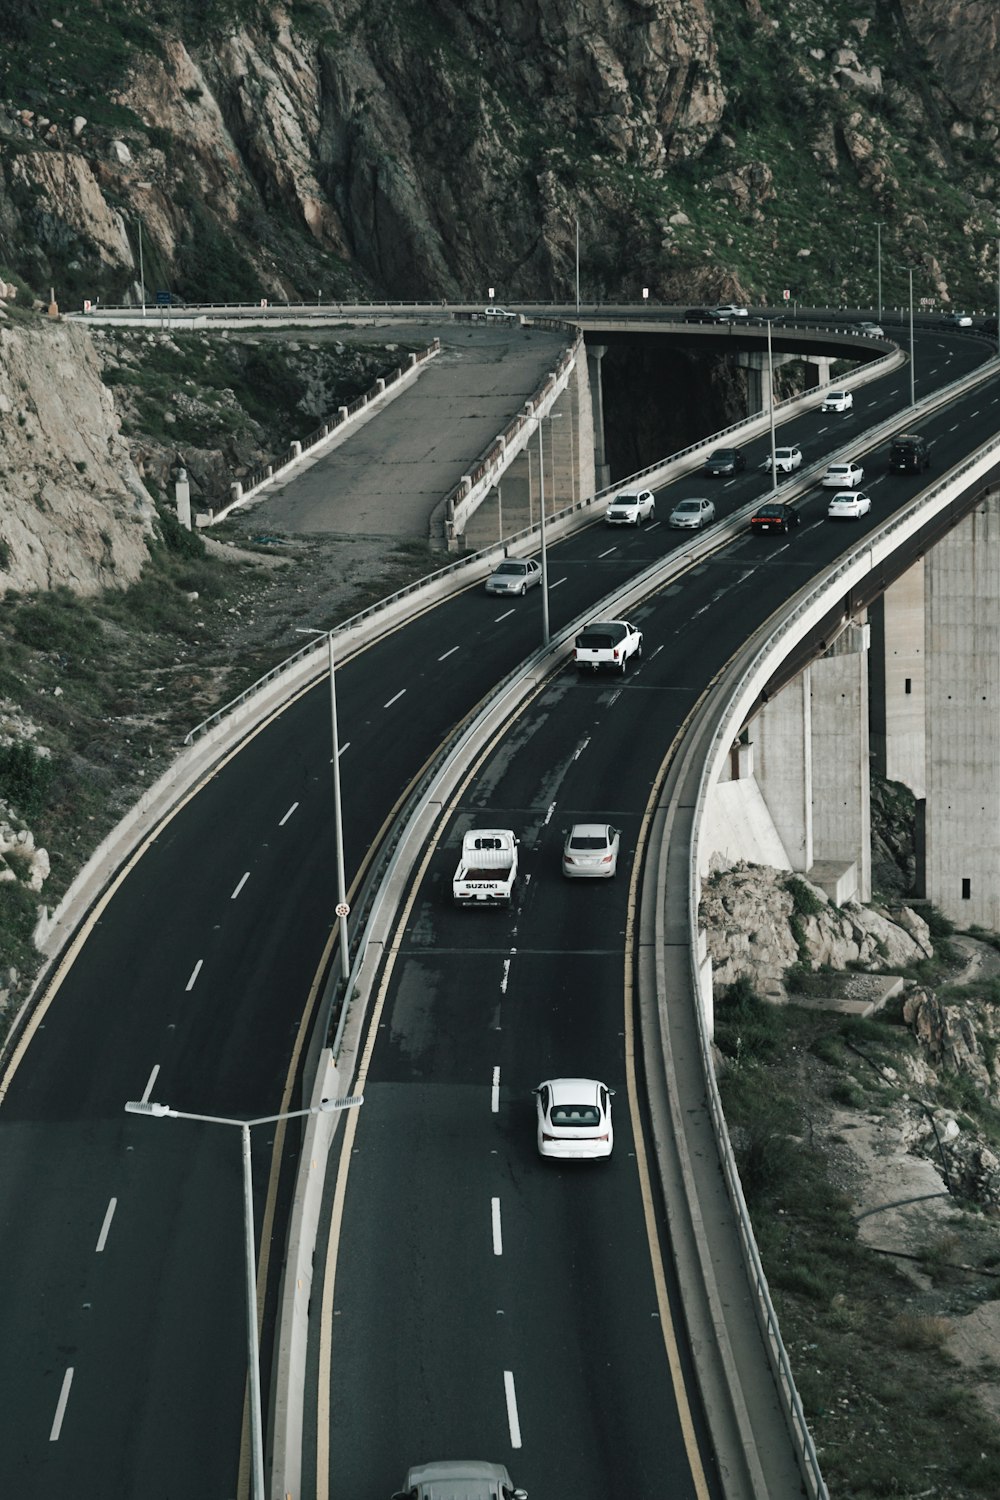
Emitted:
pixel 545 561
pixel 770 408
pixel 343 906
pixel 578 267
pixel 328 1106
pixel 913 373
pixel 879 226
pixel 142 278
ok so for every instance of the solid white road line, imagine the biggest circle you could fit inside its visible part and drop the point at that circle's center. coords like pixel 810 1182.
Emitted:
pixel 448 653
pixel 495 1092
pixel 394 699
pixel 556 584
pixel 606 554
pixel 503 617
pixel 194 975
pixel 506 974
pixel 102 1238
pixel 288 814
pixel 242 883
pixel 497 1232
pixel 57 1421
pixel 512 1422
pixel 149 1085
pixel 548 816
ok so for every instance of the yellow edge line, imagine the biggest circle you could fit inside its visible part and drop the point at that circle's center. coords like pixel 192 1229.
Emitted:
pixel 351 1125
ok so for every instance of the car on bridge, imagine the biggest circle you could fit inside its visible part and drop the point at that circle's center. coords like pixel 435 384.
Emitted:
pixel 837 401
pixel 956 320
pixel 631 507
pixel 691 515
pixel 840 476
pixel 909 453
pixel 515 575
pixel 873 330
pixel 574 1119
pixel 725 461
pixel 699 315
pixel 607 643
pixel 785 460
pixel 848 505
pixel 591 851
pixel 729 312
pixel 472 1479
pixel 774 516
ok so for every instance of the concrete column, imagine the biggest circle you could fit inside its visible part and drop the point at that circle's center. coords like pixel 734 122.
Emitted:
pixel 582 416
pixel 817 371
pixel 758 393
pixel 781 736
pixel 182 498
pixel 841 787
pixel 602 472
pixel 962 598
pixel 896 682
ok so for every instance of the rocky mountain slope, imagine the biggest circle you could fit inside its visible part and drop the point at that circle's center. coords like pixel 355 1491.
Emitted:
pixel 426 148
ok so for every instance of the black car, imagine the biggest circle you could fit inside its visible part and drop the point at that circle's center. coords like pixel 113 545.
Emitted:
pixel 909 453
pixel 774 517
pixel 725 461
pixel 699 315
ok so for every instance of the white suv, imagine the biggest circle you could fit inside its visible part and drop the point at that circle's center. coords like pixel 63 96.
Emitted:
pixel 631 507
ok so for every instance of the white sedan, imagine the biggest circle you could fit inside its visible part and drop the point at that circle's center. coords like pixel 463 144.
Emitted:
pixel 574 1119
pixel 631 507
pixel 591 851
pixel 839 476
pixel 785 460
pixel 849 505
pixel 514 576
pixel 837 401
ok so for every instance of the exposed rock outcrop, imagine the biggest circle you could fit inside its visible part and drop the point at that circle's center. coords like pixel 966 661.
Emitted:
pixel 74 511
pixel 759 922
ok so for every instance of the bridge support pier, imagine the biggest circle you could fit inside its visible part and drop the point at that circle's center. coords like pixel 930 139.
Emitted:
pixel 962 596
pixel 602 472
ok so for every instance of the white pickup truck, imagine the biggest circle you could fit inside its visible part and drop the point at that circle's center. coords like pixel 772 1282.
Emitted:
pixel 607 643
pixel 487 868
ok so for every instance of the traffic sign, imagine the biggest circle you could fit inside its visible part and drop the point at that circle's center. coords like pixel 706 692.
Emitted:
pixel 163 298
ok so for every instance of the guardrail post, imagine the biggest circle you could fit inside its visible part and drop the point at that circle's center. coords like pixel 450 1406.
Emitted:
pixel 342 413
pixel 296 449
pixel 235 492
pixel 380 385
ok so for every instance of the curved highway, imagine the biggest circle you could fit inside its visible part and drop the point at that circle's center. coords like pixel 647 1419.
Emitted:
pixel 123 1360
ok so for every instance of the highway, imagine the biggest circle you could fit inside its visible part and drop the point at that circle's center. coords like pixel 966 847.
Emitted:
pixel 122 1365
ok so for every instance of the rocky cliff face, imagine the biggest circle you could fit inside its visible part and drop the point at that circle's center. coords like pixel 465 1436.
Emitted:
pixel 73 511
pixel 425 148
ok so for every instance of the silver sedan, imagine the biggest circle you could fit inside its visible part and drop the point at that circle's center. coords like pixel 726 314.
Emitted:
pixel 514 576
pixel 591 851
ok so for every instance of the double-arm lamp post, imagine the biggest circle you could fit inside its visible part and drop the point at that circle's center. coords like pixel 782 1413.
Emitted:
pixel 160 1111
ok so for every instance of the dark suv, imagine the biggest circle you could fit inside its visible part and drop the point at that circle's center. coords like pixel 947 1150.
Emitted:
pixel 909 453
pixel 699 315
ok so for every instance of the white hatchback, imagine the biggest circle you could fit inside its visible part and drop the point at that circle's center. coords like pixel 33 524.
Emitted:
pixel 842 476
pixel 837 401
pixel 574 1119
